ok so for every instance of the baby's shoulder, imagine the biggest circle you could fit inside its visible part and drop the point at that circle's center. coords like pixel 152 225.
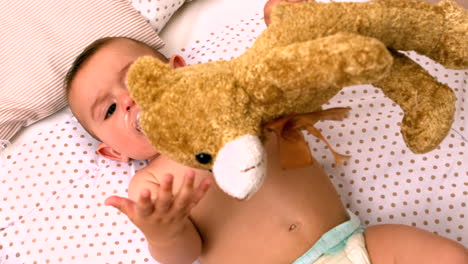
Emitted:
pixel 155 169
pixel 144 178
pixel 150 176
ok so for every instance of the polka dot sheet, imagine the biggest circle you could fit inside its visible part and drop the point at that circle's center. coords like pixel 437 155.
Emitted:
pixel 53 185
pixel 52 202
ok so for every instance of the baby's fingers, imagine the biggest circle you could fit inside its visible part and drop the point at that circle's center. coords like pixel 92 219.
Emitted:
pixel 145 206
pixel 185 194
pixel 200 192
pixel 272 3
pixel 192 199
pixel 165 197
pixel 124 205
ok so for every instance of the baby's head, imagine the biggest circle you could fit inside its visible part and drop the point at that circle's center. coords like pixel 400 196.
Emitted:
pixel 99 98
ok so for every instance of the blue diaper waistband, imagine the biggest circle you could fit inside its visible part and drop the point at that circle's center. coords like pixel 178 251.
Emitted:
pixel 333 240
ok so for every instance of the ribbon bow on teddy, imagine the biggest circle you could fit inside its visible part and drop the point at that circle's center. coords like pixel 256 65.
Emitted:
pixel 293 148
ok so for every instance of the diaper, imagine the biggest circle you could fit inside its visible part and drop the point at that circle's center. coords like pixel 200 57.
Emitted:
pixel 344 244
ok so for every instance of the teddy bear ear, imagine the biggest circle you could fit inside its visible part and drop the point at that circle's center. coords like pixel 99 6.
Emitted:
pixel 146 79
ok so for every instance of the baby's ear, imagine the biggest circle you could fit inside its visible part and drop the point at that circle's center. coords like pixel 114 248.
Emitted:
pixel 107 152
pixel 146 79
pixel 177 61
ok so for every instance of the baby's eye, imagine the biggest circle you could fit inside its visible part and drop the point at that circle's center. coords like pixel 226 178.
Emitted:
pixel 110 110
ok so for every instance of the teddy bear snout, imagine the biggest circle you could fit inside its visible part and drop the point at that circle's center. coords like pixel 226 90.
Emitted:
pixel 240 166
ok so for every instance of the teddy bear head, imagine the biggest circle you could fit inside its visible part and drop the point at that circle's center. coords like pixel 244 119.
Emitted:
pixel 193 116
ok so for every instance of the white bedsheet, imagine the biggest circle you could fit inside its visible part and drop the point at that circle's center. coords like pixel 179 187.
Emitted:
pixel 54 185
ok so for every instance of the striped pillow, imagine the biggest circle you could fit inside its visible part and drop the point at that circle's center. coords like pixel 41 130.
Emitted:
pixel 38 43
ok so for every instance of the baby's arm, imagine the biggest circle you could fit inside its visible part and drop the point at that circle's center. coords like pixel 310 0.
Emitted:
pixel 164 217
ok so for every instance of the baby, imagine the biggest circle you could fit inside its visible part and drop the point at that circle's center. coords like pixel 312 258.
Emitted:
pixel 296 216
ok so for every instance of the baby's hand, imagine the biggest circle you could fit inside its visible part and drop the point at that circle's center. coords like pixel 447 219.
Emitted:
pixel 163 218
pixel 272 3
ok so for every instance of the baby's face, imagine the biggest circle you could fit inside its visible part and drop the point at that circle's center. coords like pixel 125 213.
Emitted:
pixel 99 98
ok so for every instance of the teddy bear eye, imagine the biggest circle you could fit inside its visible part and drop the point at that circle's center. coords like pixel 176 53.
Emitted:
pixel 203 158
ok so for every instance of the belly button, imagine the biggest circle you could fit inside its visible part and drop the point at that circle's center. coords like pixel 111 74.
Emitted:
pixel 292 227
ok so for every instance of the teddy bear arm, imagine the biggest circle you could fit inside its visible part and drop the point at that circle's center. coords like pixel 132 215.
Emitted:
pixel 428 105
pixel 314 71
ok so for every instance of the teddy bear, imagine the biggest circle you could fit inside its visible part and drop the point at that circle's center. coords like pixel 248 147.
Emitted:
pixel 216 115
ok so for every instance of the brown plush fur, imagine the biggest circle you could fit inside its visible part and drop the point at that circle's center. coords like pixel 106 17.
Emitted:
pixel 309 52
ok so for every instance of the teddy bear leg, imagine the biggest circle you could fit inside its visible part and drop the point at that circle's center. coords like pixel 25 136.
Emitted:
pixel 437 31
pixel 428 105
pixel 454 43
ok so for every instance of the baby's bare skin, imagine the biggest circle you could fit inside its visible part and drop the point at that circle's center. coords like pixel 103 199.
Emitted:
pixel 280 222
pixel 277 225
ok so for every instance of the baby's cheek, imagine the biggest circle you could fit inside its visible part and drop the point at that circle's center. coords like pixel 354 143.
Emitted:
pixel 141 149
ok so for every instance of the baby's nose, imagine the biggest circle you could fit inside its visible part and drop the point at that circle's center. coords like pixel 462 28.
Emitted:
pixel 127 101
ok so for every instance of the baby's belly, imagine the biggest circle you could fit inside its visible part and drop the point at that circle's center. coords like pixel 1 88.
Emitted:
pixel 264 242
pixel 258 246
pixel 277 225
